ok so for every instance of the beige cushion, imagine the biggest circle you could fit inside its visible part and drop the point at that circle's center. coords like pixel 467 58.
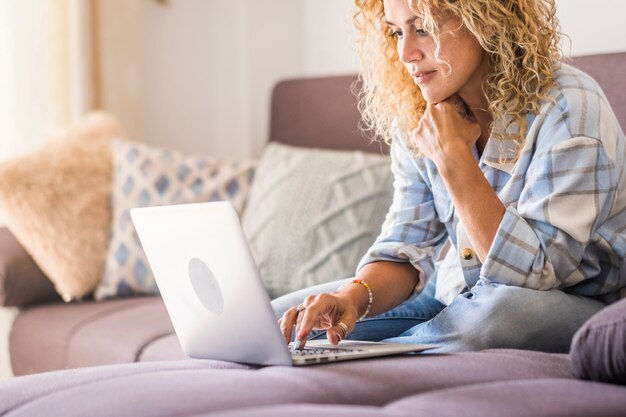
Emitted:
pixel 56 201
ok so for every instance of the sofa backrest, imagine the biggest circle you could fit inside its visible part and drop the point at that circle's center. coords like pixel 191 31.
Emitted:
pixel 317 112
pixel 609 70
pixel 322 112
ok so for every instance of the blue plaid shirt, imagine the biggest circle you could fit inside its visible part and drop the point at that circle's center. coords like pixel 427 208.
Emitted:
pixel 565 199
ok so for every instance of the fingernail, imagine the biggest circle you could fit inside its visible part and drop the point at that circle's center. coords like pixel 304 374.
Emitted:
pixel 298 344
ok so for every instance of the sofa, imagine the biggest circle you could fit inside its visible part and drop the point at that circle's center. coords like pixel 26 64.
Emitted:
pixel 120 356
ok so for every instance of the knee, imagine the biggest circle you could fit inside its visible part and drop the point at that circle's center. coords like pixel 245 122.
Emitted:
pixel 492 316
pixel 494 298
pixel 501 316
pixel 284 303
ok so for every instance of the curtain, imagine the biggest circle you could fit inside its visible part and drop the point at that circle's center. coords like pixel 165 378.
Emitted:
pixel 48 69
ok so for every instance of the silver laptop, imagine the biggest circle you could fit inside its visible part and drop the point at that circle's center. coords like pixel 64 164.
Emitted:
pixel 214 295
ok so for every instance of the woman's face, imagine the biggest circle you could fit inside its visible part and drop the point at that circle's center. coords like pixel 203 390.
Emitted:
pixel 462 64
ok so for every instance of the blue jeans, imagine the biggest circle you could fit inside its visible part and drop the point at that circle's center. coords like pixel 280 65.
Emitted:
pixel 487 316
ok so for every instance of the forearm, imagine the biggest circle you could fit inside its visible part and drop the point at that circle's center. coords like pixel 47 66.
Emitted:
pixel 476 203
pixel 391 283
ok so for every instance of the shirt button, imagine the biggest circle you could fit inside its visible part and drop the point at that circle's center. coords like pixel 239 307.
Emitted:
pixel 467 254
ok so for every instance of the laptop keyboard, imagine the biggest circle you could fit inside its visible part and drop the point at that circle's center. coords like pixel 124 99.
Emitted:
pixel 320 351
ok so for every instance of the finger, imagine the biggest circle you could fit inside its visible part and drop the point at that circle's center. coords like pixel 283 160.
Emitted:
pixel 342 327
pixel 287 322
pixel 425 126
pixel 299 321
pixel 460 106
pixel 446 106
pixel 300 310
pixel 311 316
pixel 337 333
pixel 309 299
pixel 282 323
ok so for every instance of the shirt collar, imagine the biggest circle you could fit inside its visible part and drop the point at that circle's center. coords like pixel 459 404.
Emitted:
pixel 501 153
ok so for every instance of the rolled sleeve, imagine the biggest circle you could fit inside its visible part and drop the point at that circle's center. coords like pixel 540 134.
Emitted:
pixel 412 231
pixel 515 253
pixel 543 242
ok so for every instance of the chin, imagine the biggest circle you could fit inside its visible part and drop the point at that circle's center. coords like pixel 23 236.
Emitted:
pixel 434 97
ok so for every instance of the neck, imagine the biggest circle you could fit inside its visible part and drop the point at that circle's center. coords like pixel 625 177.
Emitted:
pixel 477 103
pixel 484 119
pixel 478 111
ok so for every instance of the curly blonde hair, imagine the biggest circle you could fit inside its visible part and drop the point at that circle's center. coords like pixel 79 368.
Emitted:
pixel 520 36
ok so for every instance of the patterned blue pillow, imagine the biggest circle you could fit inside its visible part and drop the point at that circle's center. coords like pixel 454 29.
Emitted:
pixel 147 176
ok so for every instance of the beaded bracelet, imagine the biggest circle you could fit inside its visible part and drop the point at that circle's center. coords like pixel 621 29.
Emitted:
pixel 369 294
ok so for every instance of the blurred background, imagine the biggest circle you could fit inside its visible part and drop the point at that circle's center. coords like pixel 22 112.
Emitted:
pixel 193 75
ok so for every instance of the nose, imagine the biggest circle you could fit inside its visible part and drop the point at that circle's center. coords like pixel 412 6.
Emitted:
pixel 409 50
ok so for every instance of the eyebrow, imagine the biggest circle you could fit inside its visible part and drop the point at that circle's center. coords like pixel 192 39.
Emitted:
pixel 409 21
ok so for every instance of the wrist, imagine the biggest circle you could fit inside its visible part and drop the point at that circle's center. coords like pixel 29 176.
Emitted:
pixel 359 293
pixel 454 163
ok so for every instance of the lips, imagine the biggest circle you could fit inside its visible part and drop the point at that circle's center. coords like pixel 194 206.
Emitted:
pixel 420 73
pixel 421 77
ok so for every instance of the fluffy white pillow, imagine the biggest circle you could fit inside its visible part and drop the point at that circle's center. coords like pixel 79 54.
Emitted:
pixel 56 202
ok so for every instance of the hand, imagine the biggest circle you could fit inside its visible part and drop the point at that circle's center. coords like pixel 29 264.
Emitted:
pixel 445 129
pixel 321 312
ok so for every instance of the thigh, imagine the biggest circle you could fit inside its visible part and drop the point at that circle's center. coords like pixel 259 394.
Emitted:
pixel 501 316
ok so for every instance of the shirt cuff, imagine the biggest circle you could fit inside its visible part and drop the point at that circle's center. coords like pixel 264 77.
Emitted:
pixel 513 253
pixel 420 258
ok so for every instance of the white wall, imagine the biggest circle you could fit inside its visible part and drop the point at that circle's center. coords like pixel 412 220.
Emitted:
pixel 327 37
pixel 593 26
pixel 196 75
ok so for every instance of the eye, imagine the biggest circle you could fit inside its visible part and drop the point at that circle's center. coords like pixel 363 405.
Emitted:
pixel 394 33
pixel 421 32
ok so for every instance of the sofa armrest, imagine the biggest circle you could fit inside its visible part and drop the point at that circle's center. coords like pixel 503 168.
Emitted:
pixel 22 283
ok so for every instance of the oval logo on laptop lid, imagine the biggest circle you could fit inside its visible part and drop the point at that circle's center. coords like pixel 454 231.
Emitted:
pixel 205 286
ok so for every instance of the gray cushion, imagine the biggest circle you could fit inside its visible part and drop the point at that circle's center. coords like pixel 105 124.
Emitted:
pixel 312 213
pixel 599 347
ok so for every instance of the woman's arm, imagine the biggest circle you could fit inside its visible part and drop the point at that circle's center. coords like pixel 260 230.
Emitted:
pixel 397 264
pixel 476 203
pixel 562 193
pixel 446 137
pixel 391 283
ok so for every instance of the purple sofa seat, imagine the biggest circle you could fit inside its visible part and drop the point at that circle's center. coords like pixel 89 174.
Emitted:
pixel 525 398
pixel 195 387
pixel 92 333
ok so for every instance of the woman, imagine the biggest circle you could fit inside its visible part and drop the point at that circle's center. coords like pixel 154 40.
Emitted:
pixel 497 147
